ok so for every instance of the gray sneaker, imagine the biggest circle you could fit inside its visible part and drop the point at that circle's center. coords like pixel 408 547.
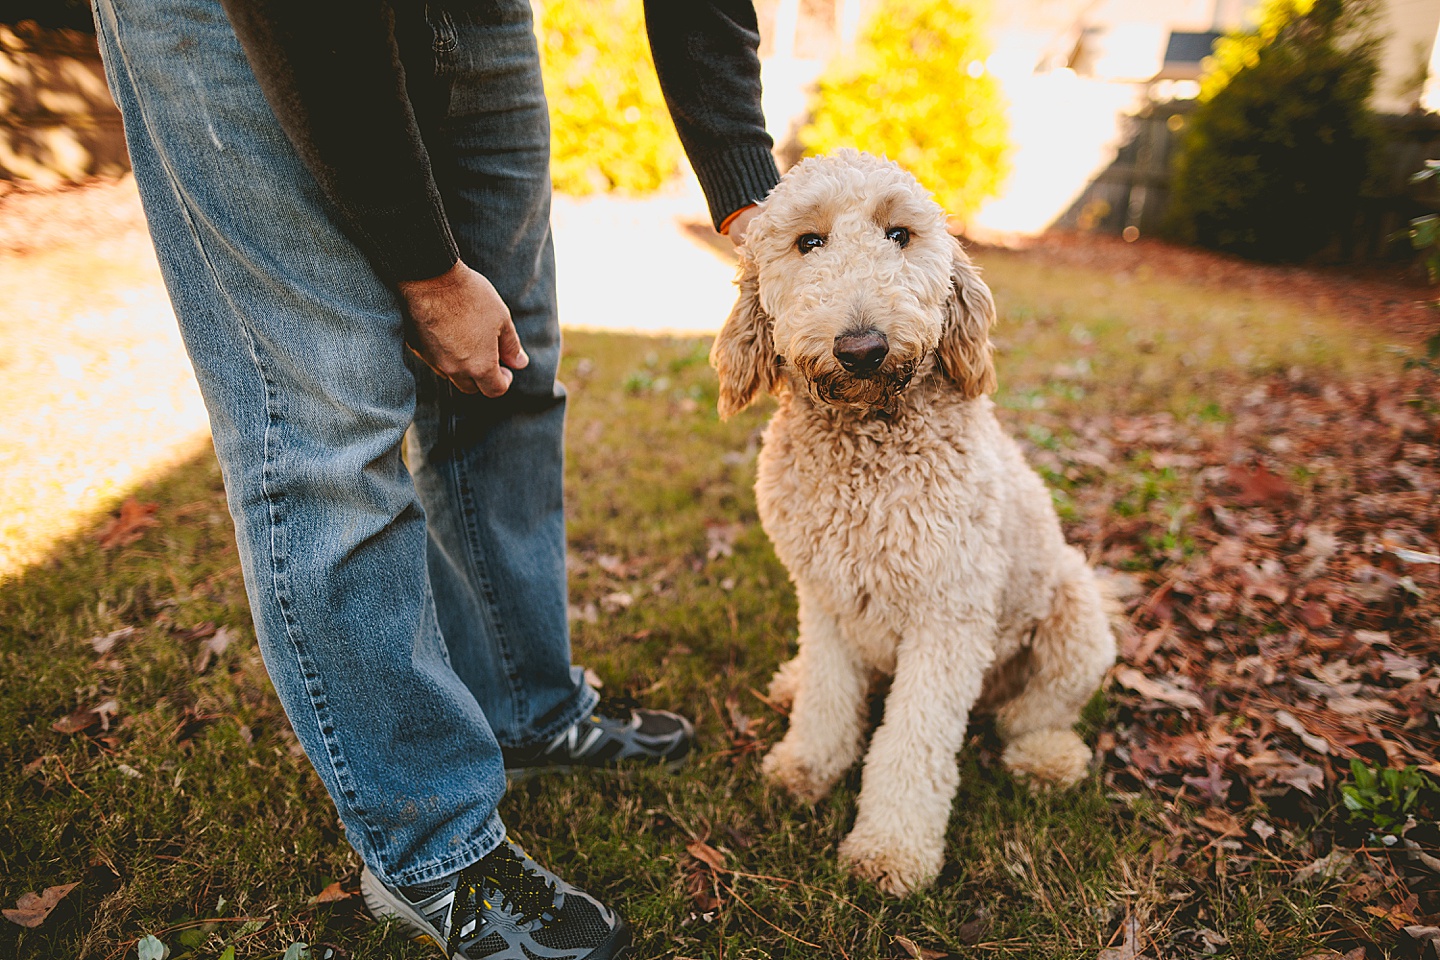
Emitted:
pixel 619 732
pixel 503 907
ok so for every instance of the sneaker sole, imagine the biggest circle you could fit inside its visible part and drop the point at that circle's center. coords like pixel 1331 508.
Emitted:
pixel 383 906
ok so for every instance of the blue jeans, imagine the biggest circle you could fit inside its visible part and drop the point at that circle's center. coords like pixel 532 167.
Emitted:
pixel 412 620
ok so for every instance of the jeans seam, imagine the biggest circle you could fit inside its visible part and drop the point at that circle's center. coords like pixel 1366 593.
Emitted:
pixel 479 571
pixel 338 765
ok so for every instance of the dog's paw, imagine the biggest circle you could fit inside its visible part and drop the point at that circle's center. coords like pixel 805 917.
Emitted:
pixel 1056 758
pixel 894 868
pixel 783 766
pixel 785 684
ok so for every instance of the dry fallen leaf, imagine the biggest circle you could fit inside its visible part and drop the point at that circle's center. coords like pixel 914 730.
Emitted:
pixel 129 526
pixel 106 643
pixel 1286 719
pixel 32 908
pixel 212 647
pixel 708 855
pixel 1156 689
pixel 916 951
pixel 617 601
pixel 106 711
pixel 331 894
pixel 75 722
pixel 1129 948
pixel 1257 484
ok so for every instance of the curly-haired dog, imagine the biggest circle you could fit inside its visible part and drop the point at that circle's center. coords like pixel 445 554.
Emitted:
pixel 921 544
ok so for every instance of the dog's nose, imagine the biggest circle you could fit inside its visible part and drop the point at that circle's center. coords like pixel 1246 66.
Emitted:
pixel 861 353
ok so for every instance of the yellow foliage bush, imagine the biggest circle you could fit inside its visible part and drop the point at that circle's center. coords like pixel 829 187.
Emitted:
pixel 608 122
pixel 916 90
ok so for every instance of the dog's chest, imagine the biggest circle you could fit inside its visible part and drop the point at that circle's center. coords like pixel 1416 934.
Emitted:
pixel 869 518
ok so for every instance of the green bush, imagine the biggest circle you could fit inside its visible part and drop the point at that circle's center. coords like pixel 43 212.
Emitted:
pixel 916 90
pixel 609 126
pixel 1280 146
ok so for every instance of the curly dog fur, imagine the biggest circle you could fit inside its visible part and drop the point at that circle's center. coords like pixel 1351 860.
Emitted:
pixel 921 544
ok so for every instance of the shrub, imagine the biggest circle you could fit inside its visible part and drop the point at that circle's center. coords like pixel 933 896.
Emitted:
pixel 1280 145
pixel 916 90
pixel 609 126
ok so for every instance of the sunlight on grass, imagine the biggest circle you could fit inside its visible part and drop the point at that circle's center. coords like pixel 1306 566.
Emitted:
pixel 1070 333
pixel 96 394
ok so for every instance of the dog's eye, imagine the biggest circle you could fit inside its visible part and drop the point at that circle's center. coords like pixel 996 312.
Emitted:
pixel 809 241
pixel 899 234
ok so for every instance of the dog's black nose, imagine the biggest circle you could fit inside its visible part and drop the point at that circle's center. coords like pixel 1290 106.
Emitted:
pixel 861 353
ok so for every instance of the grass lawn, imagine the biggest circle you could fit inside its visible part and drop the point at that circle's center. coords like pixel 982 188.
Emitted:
pixel 184 809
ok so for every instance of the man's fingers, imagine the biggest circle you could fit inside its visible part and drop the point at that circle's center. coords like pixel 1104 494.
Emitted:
pixel 512 354
pixel 496 382
pixel 464 384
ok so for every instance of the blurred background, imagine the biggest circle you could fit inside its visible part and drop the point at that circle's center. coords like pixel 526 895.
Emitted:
pixel 1275 129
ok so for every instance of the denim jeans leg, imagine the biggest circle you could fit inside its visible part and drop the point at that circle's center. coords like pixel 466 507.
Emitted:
pixel 298 349
pixel 490 471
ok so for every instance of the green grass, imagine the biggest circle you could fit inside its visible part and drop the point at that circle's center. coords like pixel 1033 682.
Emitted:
pixel 195 817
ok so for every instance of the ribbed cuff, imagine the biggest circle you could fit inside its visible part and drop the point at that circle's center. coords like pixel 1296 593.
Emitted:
pixel 735 178
pixel 406 246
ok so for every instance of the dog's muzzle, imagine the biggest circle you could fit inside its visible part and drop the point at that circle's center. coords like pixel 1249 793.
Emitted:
pixel 877 388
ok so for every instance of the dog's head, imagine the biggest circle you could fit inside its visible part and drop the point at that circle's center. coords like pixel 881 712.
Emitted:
pixel 849 278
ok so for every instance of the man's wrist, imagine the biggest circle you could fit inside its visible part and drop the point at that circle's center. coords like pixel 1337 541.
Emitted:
pixel 439 281
pixel 729 221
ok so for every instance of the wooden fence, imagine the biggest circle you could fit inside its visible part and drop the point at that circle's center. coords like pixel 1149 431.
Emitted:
pixel 1131 195
pixel 57 121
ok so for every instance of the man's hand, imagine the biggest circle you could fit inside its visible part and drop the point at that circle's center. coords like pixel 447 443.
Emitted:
pixel 463 331
pixel 740 224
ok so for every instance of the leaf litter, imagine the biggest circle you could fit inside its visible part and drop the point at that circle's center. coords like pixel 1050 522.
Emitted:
pixel 1282 604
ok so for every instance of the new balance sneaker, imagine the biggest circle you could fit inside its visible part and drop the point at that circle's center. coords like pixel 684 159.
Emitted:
pixel 619 732
pixel 503 907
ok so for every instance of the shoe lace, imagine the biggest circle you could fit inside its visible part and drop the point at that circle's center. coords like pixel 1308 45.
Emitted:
pixel 503 874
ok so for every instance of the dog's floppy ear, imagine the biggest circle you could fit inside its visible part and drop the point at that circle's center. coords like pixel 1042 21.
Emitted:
pixel 744 352
pixel 964 351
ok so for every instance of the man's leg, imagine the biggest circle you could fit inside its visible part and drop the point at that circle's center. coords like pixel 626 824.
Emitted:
pixel 298 349
pixel 490 470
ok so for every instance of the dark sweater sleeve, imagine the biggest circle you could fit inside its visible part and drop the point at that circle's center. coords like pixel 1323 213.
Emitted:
pixel 706 55
pixel 332 74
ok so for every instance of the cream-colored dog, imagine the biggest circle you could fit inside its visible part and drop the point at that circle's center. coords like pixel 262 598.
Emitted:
pixel 921 544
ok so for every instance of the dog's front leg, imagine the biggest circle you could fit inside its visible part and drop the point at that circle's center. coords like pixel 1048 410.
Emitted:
pixel 910 770
pixel 828 682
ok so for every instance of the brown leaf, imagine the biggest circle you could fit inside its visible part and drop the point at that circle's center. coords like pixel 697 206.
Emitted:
pixel 1315 615
pixel 129 526
pixel 331 894
pixel 1222 822
pixel 708 855
pixel 1257 484
pixel 1156 689
pixel 76 722
pixel 916 951
pixel 32 908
